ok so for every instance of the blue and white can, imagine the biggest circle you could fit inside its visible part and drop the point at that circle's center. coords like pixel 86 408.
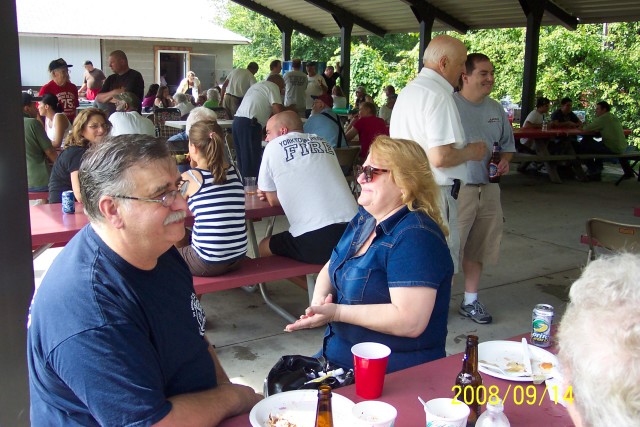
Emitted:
pixel 68 202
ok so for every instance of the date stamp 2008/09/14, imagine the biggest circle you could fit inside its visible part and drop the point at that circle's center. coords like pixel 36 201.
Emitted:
pixel 519 394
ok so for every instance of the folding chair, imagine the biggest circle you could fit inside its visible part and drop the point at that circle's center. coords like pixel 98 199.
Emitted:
pixel 161 115
pixel 348 158
pixel 612 236
pixel 222 113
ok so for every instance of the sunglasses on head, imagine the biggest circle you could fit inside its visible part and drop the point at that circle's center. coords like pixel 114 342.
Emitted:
pixel 369 171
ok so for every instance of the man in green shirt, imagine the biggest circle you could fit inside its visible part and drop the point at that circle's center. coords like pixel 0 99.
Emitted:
pixel 613 140
pixel 38 146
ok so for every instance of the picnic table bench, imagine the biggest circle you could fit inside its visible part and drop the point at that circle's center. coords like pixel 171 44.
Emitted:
pixel 524 157
pixel 254 271
pixel 543 137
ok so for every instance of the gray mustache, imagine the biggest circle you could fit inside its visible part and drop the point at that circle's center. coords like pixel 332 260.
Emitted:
pixel 175 216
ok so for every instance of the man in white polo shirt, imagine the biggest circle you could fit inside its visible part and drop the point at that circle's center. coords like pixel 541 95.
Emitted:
pixel 426 113
pixel 126 120
pixel 236 86
pixel 261 101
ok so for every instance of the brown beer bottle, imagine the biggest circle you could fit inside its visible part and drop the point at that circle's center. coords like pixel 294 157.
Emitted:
pixel 469 380
pixel 494 175
pixel 324 415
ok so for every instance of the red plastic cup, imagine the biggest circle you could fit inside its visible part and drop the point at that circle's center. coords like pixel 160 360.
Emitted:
pixel 370 365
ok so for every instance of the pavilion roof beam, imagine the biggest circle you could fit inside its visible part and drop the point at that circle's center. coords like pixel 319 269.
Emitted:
pixel 279 19
pixel 339 14
pixel 568 21
pixel 439 14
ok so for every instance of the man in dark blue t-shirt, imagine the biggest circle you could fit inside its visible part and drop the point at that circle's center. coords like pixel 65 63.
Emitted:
pixel 116 333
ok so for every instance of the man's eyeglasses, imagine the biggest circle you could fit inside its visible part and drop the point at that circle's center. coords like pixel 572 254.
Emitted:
pixel 165 200
pixel 369 171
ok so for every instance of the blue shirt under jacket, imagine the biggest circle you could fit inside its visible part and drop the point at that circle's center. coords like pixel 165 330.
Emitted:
pixel 409 249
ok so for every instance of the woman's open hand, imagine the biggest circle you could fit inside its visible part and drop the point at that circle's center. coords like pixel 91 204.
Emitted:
pixel 318 314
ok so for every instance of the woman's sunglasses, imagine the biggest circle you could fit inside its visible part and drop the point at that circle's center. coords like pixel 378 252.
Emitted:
pixel 369 171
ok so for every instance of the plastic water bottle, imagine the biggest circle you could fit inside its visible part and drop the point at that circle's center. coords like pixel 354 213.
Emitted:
pixel 544 124
pixel 494 415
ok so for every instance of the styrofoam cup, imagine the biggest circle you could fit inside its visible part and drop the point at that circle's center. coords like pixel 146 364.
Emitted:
pixel 446 412
pixel 373 413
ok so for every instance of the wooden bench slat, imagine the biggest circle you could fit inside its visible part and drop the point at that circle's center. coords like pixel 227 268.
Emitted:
pixel 253 271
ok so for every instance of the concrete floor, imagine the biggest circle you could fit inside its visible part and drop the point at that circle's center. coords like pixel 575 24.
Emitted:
pixel 541 256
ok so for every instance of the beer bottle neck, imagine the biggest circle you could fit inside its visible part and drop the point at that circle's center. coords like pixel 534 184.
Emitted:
pixel 470 361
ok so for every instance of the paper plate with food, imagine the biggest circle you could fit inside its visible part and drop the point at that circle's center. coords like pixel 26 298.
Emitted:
pixel 505 360
pixel 298 409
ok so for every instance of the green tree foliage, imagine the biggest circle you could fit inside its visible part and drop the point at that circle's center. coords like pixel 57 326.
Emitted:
pixel 585 65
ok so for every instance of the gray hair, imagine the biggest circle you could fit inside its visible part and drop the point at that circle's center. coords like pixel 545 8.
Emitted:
pixel 600 342
pixel 180 98
pixel 105 167
pixel 213 94
pixel 199 114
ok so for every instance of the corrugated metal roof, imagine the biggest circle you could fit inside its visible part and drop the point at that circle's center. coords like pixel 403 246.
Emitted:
pixel 395 16
pixel 161 20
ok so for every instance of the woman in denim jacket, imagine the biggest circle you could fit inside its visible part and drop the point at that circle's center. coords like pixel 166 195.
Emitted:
pixel 389 277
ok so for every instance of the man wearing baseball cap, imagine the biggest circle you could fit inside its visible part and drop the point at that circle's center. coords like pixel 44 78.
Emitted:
pixel 37 145
pixel 127 120
pixel 324 122
pixel 62 88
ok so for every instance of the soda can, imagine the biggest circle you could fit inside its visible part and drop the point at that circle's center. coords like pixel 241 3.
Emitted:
pixel 68 202
pixel 541 325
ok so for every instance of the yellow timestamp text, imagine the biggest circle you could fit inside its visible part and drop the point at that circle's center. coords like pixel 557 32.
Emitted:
pixel 518 394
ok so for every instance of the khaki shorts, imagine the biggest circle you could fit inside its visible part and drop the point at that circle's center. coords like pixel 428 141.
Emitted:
pixel 448 211
pixel 480 223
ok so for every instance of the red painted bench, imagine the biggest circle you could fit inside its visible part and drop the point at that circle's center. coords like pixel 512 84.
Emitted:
pixel 254 271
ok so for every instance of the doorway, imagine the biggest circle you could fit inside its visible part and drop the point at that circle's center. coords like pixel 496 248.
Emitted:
pixel 171 64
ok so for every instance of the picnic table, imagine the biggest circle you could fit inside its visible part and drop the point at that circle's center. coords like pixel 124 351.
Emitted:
pixel 436 379
pixel 49 225
pixel 543 137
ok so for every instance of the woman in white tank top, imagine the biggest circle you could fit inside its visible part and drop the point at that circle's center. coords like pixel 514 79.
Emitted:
pixel 56 124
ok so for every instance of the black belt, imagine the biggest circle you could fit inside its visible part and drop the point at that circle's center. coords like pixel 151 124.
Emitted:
pixel 237 97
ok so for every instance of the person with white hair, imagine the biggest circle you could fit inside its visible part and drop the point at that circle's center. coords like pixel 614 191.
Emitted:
pixel 183 103
pixel 599 343
pixel 213 98
pixel 179 143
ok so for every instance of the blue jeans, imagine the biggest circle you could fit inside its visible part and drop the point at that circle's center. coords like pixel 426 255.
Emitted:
pixel 591 146
pixel 247 141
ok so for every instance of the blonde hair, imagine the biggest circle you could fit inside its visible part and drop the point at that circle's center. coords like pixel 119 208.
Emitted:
pixel 206 136
pixel 75 138
pixel 410 171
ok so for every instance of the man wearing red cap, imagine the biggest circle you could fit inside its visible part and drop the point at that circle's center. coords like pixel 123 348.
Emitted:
pixel 324 122
pixel 62 88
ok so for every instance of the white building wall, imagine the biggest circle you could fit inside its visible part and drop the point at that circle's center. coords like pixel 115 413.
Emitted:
pixel 140 55
pixel 37 52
